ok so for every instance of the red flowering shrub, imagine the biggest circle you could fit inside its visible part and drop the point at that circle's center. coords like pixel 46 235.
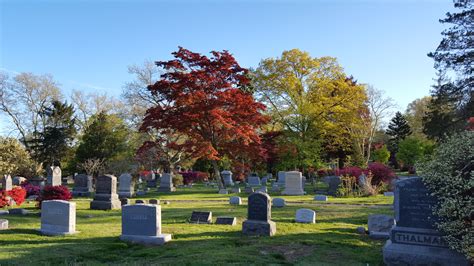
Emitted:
pixel 31 190
pixel 54 193
pixel 352 171
pixel 196 176
pixel 381 173
pixel 17 194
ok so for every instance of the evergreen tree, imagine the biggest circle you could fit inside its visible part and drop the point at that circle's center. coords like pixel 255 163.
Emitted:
pixel 398 130
pixel 452 102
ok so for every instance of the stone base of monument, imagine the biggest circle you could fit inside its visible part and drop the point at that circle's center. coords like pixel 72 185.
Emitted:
pixel 106 205
pixel 402 254
pixel 166 189
pixel 81 194
pixel 293 192
pixel 55 233
pixel 125 194
pixel 147 240
pixel 54 230
pixel 258 228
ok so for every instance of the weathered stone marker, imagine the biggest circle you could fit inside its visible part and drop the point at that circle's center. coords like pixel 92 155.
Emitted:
pixel 379 226
pixel 278 202
pixel 54 176
pixel 305 216
pixel 7 183
pixel 235 200
pixel 126 189
pixel 414 240
pixel 106 197
pixel 226 220
pixel 293 183
pixel 166 183
pixel 142 224
pixel 82 186
pixel 227 176
pixel 253 180
pixel 281 178
pixel 201 217
pixel 333 183
pixel 58 217
pixel 321 198
pixel 259 216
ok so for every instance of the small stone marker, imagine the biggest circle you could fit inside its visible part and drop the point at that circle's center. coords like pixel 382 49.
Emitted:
pixel 154 201
pixel 278 202
pixel 54 176
pixel 58 217
pixel 223 191
pixel 142 224
pixel 226 220
pixel 249 190
pixel 106 197
pixel 305 216
pixel 361 230
pixel 293 184
pixel 198 217
pixel 263 189
pixel 82 186
pixel 321 198
pixel 259 215
pixel 235 200
pixel 227 176
pixel 380 226
pixel 18 211
pixel 275 187
pixel 3 224
pixel 7 184
pixel 254 181
pixel 166 183
pixel 140 201
pixel 235 190
pixel 415 240
pixel 126 189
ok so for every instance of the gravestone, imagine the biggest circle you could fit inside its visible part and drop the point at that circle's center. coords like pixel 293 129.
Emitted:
pixel 333 184
pixel 278 202
pixel 253 180
pixel 321 198
pixel 249 190
pixel 82 186
pixel 54 176
pixel 259 216
pixel 154 201
pixel 17 180
pixel 227 176
pixel 235 200
pixel 106 197
pixel 415 240
pixel 223 191
pixel 264 181
pixel 235 190
pixel 198 217
pixel 380 226
pixel 263 189
pixel 166 183
pixel 226 220
pixel 305 216
pixel 3 224
pixel 142 224
pixel 58 217
pixel 151 180
pixel 275 187
pixel 138 201
pixel 293 184
pixel 361 179
pixel 281 178
pixel 7 183
pixel 126 189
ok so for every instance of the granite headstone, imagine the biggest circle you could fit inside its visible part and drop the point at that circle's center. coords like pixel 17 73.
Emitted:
pixel 58 217
pixel 259 216
pixel 106 197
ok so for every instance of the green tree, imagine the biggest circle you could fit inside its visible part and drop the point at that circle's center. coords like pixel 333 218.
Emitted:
pixel 398 130
pixel 412 150
pixel 14 159
pixel 381 155
pixel 453 101
pixel 105 139
pixel 414 114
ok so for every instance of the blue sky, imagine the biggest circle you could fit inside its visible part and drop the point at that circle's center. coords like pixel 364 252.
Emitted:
pixel 89 44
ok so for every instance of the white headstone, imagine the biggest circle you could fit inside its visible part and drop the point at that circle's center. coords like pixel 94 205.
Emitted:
pixel 54 176
pixel 58 217
pixel 293 183
pixel 126 189
pixel 305 216
pixel 227 176
pixel 7 183
pixel 281 178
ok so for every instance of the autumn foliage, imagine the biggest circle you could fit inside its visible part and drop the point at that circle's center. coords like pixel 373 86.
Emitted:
pixel 16 195
pixel 206 102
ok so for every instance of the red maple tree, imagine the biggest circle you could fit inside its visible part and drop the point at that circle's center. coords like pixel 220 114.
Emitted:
pixel 207 102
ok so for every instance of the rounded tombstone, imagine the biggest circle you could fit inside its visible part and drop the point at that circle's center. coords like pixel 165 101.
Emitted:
pixel 278 202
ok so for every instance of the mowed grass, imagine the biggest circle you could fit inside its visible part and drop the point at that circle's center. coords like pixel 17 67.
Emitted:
pixel 331 241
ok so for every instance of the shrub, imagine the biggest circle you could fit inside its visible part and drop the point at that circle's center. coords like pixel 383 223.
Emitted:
pixel 17 195
pixel 381 154
pixel 449 176
pixel 194 176
pixel 348 187
pixel 412 150
pixel 54 193
pixel 381 173
pixel 177 180
pixel 353 171
pixel 368 188
pixel 325 172
pixel 31 190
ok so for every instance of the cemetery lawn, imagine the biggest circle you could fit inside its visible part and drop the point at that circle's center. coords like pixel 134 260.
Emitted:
pixel 333 240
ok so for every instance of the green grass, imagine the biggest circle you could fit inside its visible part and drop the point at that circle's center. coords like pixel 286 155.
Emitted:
pixel 331 241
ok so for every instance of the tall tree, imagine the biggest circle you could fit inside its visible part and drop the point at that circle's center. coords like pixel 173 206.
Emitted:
pixel 58 133
pixel 398 129
pixel 205 104
pixel 309 97
pixel 414 114
pixel 455 57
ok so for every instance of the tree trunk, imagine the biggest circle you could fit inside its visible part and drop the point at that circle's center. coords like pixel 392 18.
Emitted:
pixel 217 175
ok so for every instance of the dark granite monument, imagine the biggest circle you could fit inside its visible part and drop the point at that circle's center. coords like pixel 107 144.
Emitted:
pixel 106 197
pixel 259 216
pixel 82 186
pixel 414 240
